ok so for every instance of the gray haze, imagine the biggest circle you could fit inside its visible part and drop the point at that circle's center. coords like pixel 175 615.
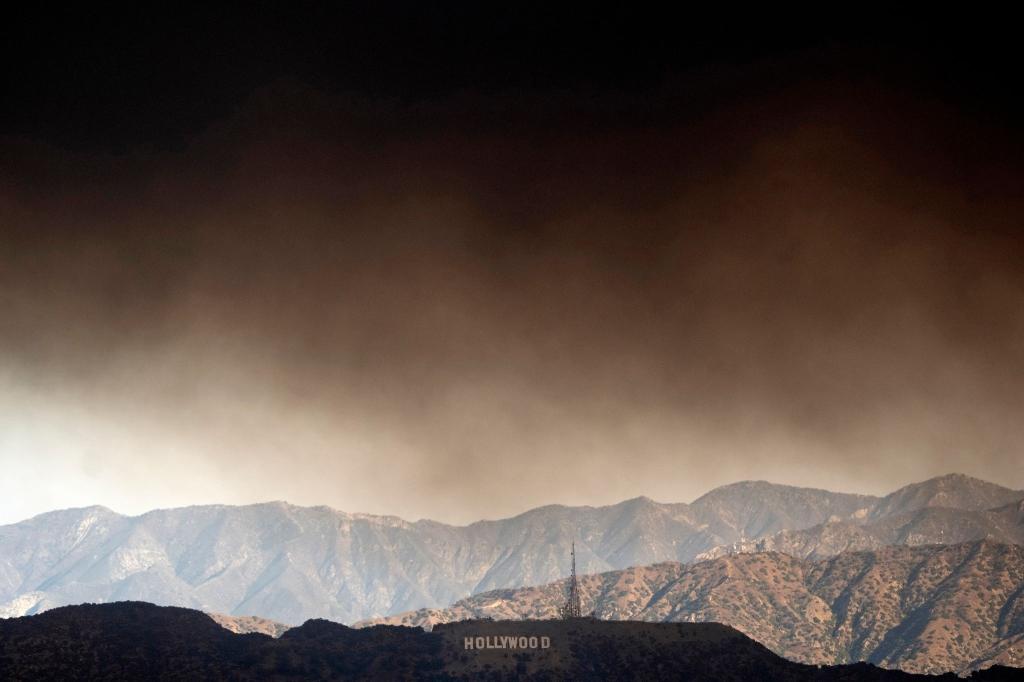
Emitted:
pixel 314 303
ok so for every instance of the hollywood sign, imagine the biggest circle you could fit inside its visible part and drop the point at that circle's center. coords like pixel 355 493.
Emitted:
pixel 506 642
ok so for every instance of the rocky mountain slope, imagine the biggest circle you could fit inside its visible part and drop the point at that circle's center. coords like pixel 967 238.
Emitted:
pixel 245 624
pixel 289 563
pixel 923 609
pixel 928 526
pixel 132 640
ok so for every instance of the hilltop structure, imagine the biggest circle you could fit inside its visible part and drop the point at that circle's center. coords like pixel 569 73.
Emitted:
pixel 572 607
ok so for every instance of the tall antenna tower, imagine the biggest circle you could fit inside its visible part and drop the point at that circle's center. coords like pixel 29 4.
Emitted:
pixel 572 607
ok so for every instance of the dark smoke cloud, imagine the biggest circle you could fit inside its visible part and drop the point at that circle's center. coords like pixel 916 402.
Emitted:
pixel 464 308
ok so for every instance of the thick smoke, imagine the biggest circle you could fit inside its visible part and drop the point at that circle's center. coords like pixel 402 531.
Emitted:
pixel 465 309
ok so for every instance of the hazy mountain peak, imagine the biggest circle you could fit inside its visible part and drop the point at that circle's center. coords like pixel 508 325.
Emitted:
pixel 749 509
pixel 953 490
pixel 636 503
pixel 953 480
pixel 93 510
pixel 760 489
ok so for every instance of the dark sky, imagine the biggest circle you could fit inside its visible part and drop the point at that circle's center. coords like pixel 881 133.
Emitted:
pixel 434 263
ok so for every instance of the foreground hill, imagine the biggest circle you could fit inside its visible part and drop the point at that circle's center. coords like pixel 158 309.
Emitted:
pixel 921 609
pixel 133 640
pixel 289 563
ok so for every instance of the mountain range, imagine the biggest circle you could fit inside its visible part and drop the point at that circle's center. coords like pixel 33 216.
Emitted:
pixel 291 564
pixel 925 609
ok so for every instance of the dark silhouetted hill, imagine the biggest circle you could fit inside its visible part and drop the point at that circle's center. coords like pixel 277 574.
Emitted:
pixel 139 641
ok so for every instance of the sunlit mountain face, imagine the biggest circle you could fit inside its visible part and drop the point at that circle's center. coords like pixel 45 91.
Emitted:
pixel 289 563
